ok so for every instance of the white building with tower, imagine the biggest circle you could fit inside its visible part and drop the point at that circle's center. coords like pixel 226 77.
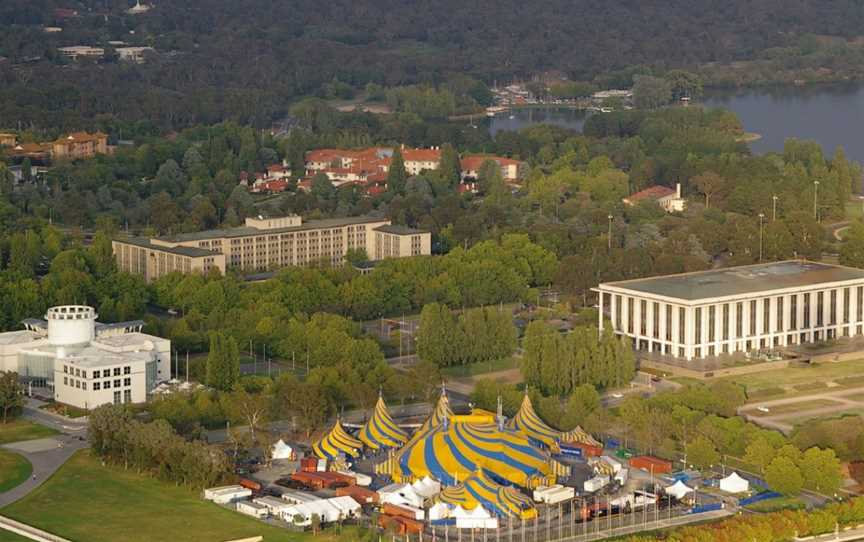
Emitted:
pixel 84 363
pixel 737 309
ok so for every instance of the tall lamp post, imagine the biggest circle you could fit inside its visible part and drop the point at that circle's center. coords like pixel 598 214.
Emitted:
pixel 609 236
pixel 774 208
pixel 816 200
pixel 761 223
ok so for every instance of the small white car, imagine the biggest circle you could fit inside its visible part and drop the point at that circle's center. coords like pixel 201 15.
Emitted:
pixel 763 409
pixel 617 395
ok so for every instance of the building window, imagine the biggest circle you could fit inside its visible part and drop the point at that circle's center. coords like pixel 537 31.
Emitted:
pixel 630 315
pixel 116 397
pixel 682 324
pixel 107 384
pixel 712 323
pixel 127 370
pixel 78 384
pixel 780 314
pixel 859 308
pixel 117 383
pixel 127 381
pixel 96 386
pixel 753 318
pixel 65 380
pixel 766 315
pixel 832 311
pixel 725 322
pixel 656 320
pixel 820 308
pixel 84 386
pixel 617 312
pixel 127 396
pixel 846 297
pixel 116 371
pixel 66 369
pixel 739 319
pixel 806 310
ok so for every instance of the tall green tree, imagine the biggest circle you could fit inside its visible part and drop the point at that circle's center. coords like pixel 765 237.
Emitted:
pixel 223 362
pixel 11 395
pixel 396 175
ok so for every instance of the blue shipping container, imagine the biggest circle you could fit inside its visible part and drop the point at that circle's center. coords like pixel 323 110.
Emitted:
pixel 612 444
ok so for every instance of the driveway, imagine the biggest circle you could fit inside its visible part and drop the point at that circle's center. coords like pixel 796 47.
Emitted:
pixel 46 455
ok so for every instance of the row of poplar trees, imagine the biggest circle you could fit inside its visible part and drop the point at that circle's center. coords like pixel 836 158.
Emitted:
pixel 558 363
pixel 480 334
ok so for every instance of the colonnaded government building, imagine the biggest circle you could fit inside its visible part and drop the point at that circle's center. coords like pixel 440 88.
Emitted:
pixel 269 243
pixel 737 309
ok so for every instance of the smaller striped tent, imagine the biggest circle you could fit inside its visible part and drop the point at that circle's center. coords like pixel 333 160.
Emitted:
pixel 527 422
pixel 380 431
pixel 480 490
pixel 335 442
pixel 580 436
pixel 442 412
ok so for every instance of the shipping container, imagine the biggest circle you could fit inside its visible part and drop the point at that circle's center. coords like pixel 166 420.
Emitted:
pixel 251 484
pixel 542 490
pixel 571 450
pixel 651 464
pixel 559 495
pixel 612 444
pixel 595 484
pixel 359 494
pixel 402 511
pixel 625 453
pixel 706 508
pixel 309 464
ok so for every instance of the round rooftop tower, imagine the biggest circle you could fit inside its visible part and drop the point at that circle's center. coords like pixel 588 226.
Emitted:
pixel 71 324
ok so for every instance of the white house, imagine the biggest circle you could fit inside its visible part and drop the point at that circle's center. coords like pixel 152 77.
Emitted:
pixel 670 200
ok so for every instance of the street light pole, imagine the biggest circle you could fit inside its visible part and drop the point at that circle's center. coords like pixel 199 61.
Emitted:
pixel 609 237
pixel 774 210
pixel 816 200
pixel 761 222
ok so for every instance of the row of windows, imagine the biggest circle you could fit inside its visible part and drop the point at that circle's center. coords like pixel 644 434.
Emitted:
pixel 105 373
pixel 82 385
pixel 755 310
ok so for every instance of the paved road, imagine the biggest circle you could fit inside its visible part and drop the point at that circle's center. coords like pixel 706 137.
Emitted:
pixel 843 536
pixel 63 425
pixel 46 457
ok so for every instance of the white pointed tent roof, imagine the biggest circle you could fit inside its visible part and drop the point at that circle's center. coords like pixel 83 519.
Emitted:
pixel 678 489
pixel 734 484
pixel 426 487
pixel 282 450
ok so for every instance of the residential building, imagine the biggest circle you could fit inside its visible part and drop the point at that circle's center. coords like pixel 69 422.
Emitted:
pixel 417 160
pixel 269 243
pixel 368 166
pixel 80 145
pixel 83 363
pixel 8 139
pixel 738 309
pixel 670 200
pixel 133 54
pixel 76 52
pixel 512 171
pixel 138 8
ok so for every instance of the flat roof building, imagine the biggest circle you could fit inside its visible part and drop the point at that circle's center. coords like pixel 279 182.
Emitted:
pixel 269 243
pixel 737 309
pixel 84 363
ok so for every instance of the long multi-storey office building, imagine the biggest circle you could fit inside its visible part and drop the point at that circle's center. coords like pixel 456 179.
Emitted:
pixel 738 309
pixel 268 243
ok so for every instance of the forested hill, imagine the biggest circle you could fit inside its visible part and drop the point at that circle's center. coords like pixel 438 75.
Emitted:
pixel 245 59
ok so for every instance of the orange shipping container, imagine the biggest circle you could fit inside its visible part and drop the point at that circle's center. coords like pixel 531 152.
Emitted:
pixel 651 464
pixel 393 510
pixel 359 494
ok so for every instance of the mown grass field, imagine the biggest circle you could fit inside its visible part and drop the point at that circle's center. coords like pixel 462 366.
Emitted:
pixel 18 430
pixel 800 380
pixel 84 501
pixel 14 469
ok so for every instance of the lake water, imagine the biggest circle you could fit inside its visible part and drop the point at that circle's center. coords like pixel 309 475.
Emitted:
pixel 830 114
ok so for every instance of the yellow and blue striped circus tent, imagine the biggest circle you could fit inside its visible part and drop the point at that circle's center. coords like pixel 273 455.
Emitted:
pixel 527 422
pixel 454 451
pixel 441 413
pixel 380 431
pixel 480 490
pixel 337 441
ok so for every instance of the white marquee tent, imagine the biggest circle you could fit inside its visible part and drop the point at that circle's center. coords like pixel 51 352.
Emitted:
pixel 400 494
pixel 734 484
pixel 281 450
pixel 678 490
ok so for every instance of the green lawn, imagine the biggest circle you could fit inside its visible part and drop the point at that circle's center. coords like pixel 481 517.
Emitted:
pixel 791 408
pixel 802 376
pixel 86 502
pixel 6 536
pixel 19 430
pixel 14 469
pixel 780 503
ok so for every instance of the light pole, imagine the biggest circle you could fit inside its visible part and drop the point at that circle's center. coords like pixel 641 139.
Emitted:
pixel 774 208
pixel 609 237
pixel 761 222
pixel 815 200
